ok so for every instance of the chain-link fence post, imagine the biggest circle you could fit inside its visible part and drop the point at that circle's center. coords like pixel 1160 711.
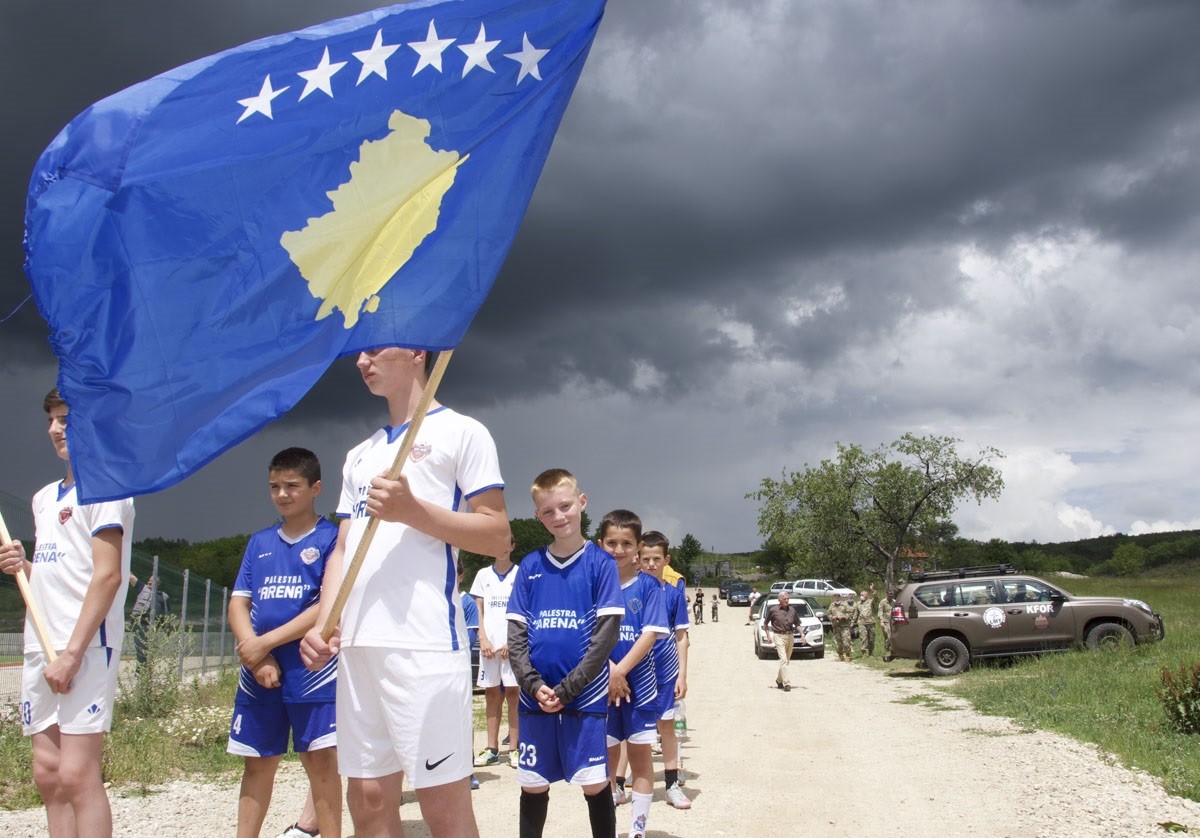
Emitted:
pixel 183 626
pixel 224 620
pixel 204 631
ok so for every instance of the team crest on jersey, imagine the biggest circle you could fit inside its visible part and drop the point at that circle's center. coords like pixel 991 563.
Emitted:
pixel 635 604
pixel 65 514
pixel 309 555
pixel 420 451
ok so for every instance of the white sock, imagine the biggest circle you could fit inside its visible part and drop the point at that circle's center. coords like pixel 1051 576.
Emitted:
pixel 641 811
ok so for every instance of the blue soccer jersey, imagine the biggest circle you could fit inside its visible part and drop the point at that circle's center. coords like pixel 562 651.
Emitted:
pixel 644 612
pixel 559 601
pixel 283 578
pixel 666 653
pixel 471 616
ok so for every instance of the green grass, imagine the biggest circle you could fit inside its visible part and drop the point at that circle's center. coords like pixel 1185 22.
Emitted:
pixel 140 752
pixel 932 702
pixel 1104 698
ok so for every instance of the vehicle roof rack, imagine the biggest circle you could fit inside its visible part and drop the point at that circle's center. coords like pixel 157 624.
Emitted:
pixel 963 572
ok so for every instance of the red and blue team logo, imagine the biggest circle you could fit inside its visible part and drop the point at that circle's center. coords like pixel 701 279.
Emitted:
pixel 309 555
pixel 420 451
pixel 65 514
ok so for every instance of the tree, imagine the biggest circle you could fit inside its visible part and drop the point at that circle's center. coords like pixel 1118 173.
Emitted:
pixel 530 535
pixel 218 559
pixel 685 554
pixel 775 557
pixel 1127 560
pixel 855 514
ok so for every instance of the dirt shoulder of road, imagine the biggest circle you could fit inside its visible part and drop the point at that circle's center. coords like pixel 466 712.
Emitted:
pixel 850 751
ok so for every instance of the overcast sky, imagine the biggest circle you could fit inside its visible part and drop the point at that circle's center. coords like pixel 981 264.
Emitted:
pixel 764 228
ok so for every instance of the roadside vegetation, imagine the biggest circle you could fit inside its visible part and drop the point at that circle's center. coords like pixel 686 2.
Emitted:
pixel 164 728
pixel 1110 699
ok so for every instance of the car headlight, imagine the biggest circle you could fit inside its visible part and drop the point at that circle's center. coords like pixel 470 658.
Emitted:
pixel 1137 603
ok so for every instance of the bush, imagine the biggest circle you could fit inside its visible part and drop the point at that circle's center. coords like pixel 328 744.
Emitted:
pixel 154 690
pixel 1180 697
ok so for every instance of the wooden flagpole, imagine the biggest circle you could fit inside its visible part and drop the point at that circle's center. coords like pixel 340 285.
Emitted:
pixel 410 436
pixel 35 613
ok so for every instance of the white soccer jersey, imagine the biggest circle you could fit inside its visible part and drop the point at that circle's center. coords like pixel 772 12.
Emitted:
pixel 494 590
pixel 63 567
pixel 406 595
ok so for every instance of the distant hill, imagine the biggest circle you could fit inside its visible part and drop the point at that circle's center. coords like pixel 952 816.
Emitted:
pixel 1119 555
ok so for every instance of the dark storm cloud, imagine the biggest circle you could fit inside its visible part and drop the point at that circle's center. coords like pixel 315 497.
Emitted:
pixel 743 187
pixel 744 159
pixel 751 178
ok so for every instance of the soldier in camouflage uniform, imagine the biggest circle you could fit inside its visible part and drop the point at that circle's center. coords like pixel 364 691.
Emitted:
pixel 885 622
pixel 864 618
pixel 840 615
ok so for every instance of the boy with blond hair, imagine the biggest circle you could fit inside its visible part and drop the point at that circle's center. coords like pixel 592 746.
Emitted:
pixel 564 618
pixel 633 684
pixel 670 658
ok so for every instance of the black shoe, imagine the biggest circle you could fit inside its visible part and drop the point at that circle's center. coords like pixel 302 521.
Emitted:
pixel 787 688
pixel 779 685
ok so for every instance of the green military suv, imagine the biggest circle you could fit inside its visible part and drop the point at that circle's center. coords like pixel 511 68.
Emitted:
pixel 949 617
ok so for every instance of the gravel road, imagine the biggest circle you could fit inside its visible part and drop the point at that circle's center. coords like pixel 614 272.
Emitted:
pixel 842 754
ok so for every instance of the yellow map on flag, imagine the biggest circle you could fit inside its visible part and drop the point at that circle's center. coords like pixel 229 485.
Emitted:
pixel 380 216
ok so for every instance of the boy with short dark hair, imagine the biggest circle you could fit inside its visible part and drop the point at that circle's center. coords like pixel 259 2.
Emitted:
pixel 633 691
pixel 273 604
pixel 670 659
pixel 78 580
pixel 564 618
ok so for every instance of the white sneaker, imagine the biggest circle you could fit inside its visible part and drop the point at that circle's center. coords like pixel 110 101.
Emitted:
pixel 676 797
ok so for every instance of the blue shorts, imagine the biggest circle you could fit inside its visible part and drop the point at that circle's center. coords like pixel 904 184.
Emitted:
pixel 562 746
pixel 261 730
pixel 637 725
pixel 666 701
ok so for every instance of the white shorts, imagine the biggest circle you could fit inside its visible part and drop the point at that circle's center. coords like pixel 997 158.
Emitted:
pixel 401 710
pixel 87 707
pixel 495 672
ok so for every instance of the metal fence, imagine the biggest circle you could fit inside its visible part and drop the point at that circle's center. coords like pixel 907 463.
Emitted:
pixel 199 604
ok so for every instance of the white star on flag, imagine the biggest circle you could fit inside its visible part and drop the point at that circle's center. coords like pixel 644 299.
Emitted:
pixel 430 50
pixel 374 60
pixel 260 103
pixel 318 78
pixel 477 53
pixel 528 58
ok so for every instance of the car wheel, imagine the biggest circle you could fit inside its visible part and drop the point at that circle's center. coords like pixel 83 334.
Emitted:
pixel 760 652
pixel 1109 636
pixel 820 653
pixel 947 656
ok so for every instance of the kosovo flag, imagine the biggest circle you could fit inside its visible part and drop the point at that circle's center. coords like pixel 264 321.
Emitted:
pixel 204 244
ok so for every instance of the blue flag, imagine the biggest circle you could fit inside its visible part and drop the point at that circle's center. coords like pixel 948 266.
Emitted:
pixel 206 243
